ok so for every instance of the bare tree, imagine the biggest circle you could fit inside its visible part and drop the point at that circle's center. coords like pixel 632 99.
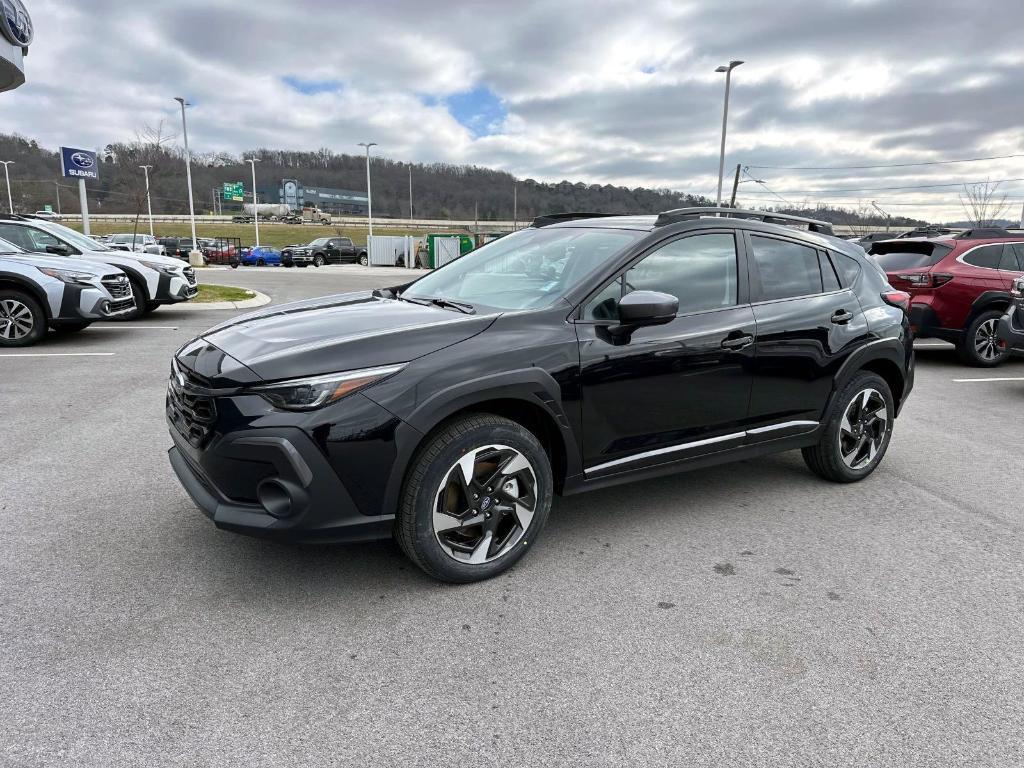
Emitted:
pixel 983 204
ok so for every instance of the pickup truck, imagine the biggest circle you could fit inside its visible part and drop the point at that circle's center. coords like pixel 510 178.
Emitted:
pixel 324 250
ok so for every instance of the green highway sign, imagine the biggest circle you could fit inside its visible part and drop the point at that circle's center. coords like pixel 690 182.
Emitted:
pixel 234 191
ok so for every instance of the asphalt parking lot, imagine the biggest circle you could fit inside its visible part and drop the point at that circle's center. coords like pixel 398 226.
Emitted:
pixel 747 615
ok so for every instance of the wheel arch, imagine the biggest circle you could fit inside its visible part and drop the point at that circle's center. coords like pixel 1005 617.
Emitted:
pixel 20 283
pixel 996 301
pixel 137 277
pixel 885 357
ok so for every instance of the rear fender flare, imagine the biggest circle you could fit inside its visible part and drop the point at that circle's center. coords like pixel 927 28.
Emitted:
pixel 888 350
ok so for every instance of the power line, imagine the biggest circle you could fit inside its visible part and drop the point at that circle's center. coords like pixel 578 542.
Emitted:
pixel 758 181
pixel 884 189
pixel 885 165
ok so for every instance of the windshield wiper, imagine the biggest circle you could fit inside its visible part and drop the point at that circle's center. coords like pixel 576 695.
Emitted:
pixel 460 306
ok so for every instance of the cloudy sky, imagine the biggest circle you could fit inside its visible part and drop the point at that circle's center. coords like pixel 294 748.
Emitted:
pixel 586 90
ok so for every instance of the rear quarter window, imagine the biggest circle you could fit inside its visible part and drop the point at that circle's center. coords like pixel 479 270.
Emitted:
pixel 985 256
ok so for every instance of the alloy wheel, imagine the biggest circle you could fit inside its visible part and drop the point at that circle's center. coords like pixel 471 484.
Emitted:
pixel 986 341
pixel 16 320
pixel 864 429
pixel 484 505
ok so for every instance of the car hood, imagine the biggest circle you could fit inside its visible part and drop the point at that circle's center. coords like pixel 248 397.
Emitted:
pixel 60 262
pixel 339 333
pixel 131 258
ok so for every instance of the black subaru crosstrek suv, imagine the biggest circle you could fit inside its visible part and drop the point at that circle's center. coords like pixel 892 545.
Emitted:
pixel 573 355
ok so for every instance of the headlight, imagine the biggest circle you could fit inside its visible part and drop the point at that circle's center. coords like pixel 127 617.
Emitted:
pixel 69 275
pixel 173 271
pixel 318 391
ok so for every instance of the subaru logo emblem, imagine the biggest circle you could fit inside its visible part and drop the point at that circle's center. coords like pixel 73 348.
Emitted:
pixel 15 23
pixel 485 504
pixel 82 160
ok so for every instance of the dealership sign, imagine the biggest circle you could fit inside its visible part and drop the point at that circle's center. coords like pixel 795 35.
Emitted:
pixel 15 23
pixel 78 163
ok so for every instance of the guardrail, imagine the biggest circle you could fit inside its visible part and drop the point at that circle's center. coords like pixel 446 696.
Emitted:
pixel 339 221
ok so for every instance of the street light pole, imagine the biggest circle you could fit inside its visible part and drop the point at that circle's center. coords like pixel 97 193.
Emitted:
pixel 7 176
pixel 515 207
pixel 149 202
pixel 56 184
pixel 369 190
pixel 188 173
pixel 410 191
pixel 255 203
pixel 727 69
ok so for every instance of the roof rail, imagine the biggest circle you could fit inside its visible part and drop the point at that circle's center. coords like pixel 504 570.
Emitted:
pixel 14 217
pixel 556 218
pixel 682 214
pixel 980 233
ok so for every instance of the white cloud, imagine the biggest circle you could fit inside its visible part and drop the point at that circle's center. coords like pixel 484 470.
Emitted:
pixel 608 91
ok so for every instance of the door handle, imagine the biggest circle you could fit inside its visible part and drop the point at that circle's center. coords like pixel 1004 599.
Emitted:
pixel 841 317
pixel 737 342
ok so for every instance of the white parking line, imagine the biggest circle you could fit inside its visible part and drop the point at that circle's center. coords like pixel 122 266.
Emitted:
pixel 57 354
pixel 1003 378
pixel 119 327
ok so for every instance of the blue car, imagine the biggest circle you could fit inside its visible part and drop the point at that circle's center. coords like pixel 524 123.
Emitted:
pixel 260 256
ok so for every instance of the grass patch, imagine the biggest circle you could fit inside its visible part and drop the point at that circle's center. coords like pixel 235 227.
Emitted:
pixel 276 235
pixel 209 293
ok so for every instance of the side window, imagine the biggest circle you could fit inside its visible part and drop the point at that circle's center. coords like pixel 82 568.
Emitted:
pixel 787 269
pixel 848 269
pixel 42 239
pixel 17 235
pixel 1011 257
pixel 700 271
pixel 829 278
pixel 987 256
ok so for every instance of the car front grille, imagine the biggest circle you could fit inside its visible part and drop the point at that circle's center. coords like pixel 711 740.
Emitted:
pixel 190 275
pixel 190 411
pixel 117 286
pixel 120 306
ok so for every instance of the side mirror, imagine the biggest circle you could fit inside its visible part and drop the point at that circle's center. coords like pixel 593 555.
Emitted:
pixel 637 310
pixel 641 308
pixel 59 250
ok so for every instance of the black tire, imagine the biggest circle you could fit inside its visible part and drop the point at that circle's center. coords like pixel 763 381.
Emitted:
pixel 826 458
pixel 440 453
pixel 318 261
pixel 234 265
pixel 260 263
pixel 19 309
pixel 151 306
pixel 980 347
pixel 141 301
pixel 67 327
pixel 364 261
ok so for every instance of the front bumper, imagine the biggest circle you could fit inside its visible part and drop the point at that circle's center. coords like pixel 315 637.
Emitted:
pixel 298 496
pixel 176 289
pixel 1011 328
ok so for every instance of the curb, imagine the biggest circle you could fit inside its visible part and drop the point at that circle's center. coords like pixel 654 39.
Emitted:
pixel 256 301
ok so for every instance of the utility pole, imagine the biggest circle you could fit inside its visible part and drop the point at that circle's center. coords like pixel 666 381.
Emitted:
pixel 57 185
pixel 410 191
pixel 888 218
pixel 735 184
pixel 255 203
pixel 149 203
pixel 515 207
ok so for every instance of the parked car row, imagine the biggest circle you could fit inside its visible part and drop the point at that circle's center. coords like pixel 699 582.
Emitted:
pixel 95 281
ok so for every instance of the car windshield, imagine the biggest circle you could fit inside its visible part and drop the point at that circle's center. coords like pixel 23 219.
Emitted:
pixel 320 241
pixel 7 247
pixel 77 239
pixel 529 269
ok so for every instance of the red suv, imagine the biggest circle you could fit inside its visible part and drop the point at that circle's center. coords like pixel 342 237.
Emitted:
pixel 959 286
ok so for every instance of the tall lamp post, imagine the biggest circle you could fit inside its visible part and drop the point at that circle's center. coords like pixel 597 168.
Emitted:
pixel 7 177
pixel 369 192
pixel 255 203
pixel 149 203
pixel 727 69
pixel 888 216
pixel 188 175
